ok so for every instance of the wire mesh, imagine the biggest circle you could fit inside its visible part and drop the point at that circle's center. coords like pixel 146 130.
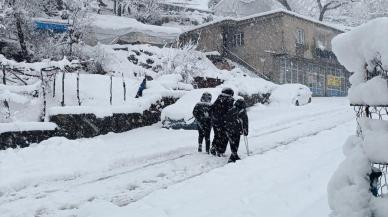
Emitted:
pixel 379 112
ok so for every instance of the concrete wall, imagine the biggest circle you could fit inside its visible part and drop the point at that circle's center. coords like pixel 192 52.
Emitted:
pixel 262 38
pixel 209 38
pixel 315 34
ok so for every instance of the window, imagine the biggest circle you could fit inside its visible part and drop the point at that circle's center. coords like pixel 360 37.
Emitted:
pixel 299 36
pixel 238 39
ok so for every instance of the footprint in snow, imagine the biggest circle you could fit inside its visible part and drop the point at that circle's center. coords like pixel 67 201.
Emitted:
pixel 132 187
pixel 161 175
pixel 149 181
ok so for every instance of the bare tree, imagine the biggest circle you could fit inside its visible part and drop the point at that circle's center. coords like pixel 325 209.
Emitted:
pixel 285 4
pixel 327 5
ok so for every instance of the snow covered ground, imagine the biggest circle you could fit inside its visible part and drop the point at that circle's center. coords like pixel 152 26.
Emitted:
pixel 157 172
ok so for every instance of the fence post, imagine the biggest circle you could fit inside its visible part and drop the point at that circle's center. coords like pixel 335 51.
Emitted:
pixel 5 102
pixel 4 78
pixel 124 88
pixel 55 78
pixel 79 100
pixel 44 95
pixel 111 83
pixel 63 89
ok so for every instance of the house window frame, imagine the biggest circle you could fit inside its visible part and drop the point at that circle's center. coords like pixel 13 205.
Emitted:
pixel 300 36
pixel 238 39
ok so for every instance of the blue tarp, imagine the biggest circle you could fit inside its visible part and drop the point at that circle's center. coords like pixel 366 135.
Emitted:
pixel 52 26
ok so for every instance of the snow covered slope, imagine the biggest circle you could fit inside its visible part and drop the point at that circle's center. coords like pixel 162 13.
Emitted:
pixel 107 28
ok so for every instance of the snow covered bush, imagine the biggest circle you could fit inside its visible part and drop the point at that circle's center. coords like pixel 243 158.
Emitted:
pixel 354 186
pixel 364 51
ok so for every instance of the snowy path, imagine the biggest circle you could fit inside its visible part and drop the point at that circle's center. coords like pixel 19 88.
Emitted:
pixel 125 169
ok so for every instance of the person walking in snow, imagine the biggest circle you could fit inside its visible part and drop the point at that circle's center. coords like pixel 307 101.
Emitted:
pixel 143 86
pixel 218 112
pixel 236 125
pixel 201 114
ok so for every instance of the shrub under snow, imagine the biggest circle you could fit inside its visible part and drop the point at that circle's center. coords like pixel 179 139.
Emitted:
pixel 364 52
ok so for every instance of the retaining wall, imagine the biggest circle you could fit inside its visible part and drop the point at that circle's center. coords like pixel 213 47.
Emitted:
pixel 74 126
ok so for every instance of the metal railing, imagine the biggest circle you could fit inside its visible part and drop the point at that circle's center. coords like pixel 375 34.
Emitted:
pixel 244 63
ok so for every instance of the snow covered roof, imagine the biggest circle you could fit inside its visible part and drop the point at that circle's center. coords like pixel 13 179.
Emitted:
pixel 268 13
pixel 108 28
pixel 242 8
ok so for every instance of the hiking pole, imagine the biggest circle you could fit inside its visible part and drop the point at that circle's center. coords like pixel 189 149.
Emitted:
pixel 246 144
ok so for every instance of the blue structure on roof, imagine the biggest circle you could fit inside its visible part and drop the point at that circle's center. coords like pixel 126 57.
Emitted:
pixel 57 27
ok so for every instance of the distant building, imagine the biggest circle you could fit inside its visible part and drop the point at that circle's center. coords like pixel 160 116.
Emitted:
pixel 242 8
pixel 282 46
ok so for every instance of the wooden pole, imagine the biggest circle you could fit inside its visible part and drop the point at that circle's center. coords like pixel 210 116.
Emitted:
pixel 4 77
pixel 44 95
pixel 5 102
pixel 124 88
pixel 55 78
pixel 111 83
pixel 63 89
pixel 79 100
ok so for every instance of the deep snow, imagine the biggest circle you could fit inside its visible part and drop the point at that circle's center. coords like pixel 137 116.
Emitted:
pixel 156 172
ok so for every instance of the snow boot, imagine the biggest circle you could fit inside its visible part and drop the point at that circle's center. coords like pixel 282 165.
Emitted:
pixel 213 151
pixel 199 148
pixel 233 158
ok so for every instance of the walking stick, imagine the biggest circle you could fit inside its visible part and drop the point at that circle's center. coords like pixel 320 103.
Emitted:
pixel 246 144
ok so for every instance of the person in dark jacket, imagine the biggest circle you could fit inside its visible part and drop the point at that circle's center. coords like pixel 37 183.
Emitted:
pixel 143 86
pixel 218 112
pixel 201 114
pixel 236 125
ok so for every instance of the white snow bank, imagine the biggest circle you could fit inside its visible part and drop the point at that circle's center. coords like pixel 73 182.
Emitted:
pixel 375 143
pixel 361 45
pixel 26 126
pixel 372 92
pixel 247 85
pixel 348 189
pixel 37 66
pixel 21 89
pixel 7 95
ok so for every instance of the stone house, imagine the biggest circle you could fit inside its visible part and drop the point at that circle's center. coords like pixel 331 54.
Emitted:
pixel 278 45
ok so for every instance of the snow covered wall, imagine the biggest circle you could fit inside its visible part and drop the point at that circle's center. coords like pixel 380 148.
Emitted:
pixel 358 187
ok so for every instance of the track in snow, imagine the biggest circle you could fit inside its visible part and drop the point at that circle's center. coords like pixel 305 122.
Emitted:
pixel 130 185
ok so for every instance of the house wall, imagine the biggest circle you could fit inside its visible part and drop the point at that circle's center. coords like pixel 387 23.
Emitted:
pixel 316 35
pixel 208 38
pixel 262 38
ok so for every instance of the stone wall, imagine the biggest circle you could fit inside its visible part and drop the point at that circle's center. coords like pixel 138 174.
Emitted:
pixel 74 126
pixel 24 138
pixel 204 82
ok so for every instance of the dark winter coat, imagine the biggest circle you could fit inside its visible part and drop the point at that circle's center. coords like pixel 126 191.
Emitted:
pixel 202 113
pixel 141 88
pixel 220 108
pixel 237 121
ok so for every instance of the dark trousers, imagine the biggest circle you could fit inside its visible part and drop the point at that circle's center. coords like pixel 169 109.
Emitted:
pixel 234 141
pixel 204 133
pixel 220 140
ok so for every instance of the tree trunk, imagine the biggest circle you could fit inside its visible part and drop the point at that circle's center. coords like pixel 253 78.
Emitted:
pixel 20 34
pixel 119 10
pixel 321 15
pixel 60 5
pixel 114 6
pixel 285 4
